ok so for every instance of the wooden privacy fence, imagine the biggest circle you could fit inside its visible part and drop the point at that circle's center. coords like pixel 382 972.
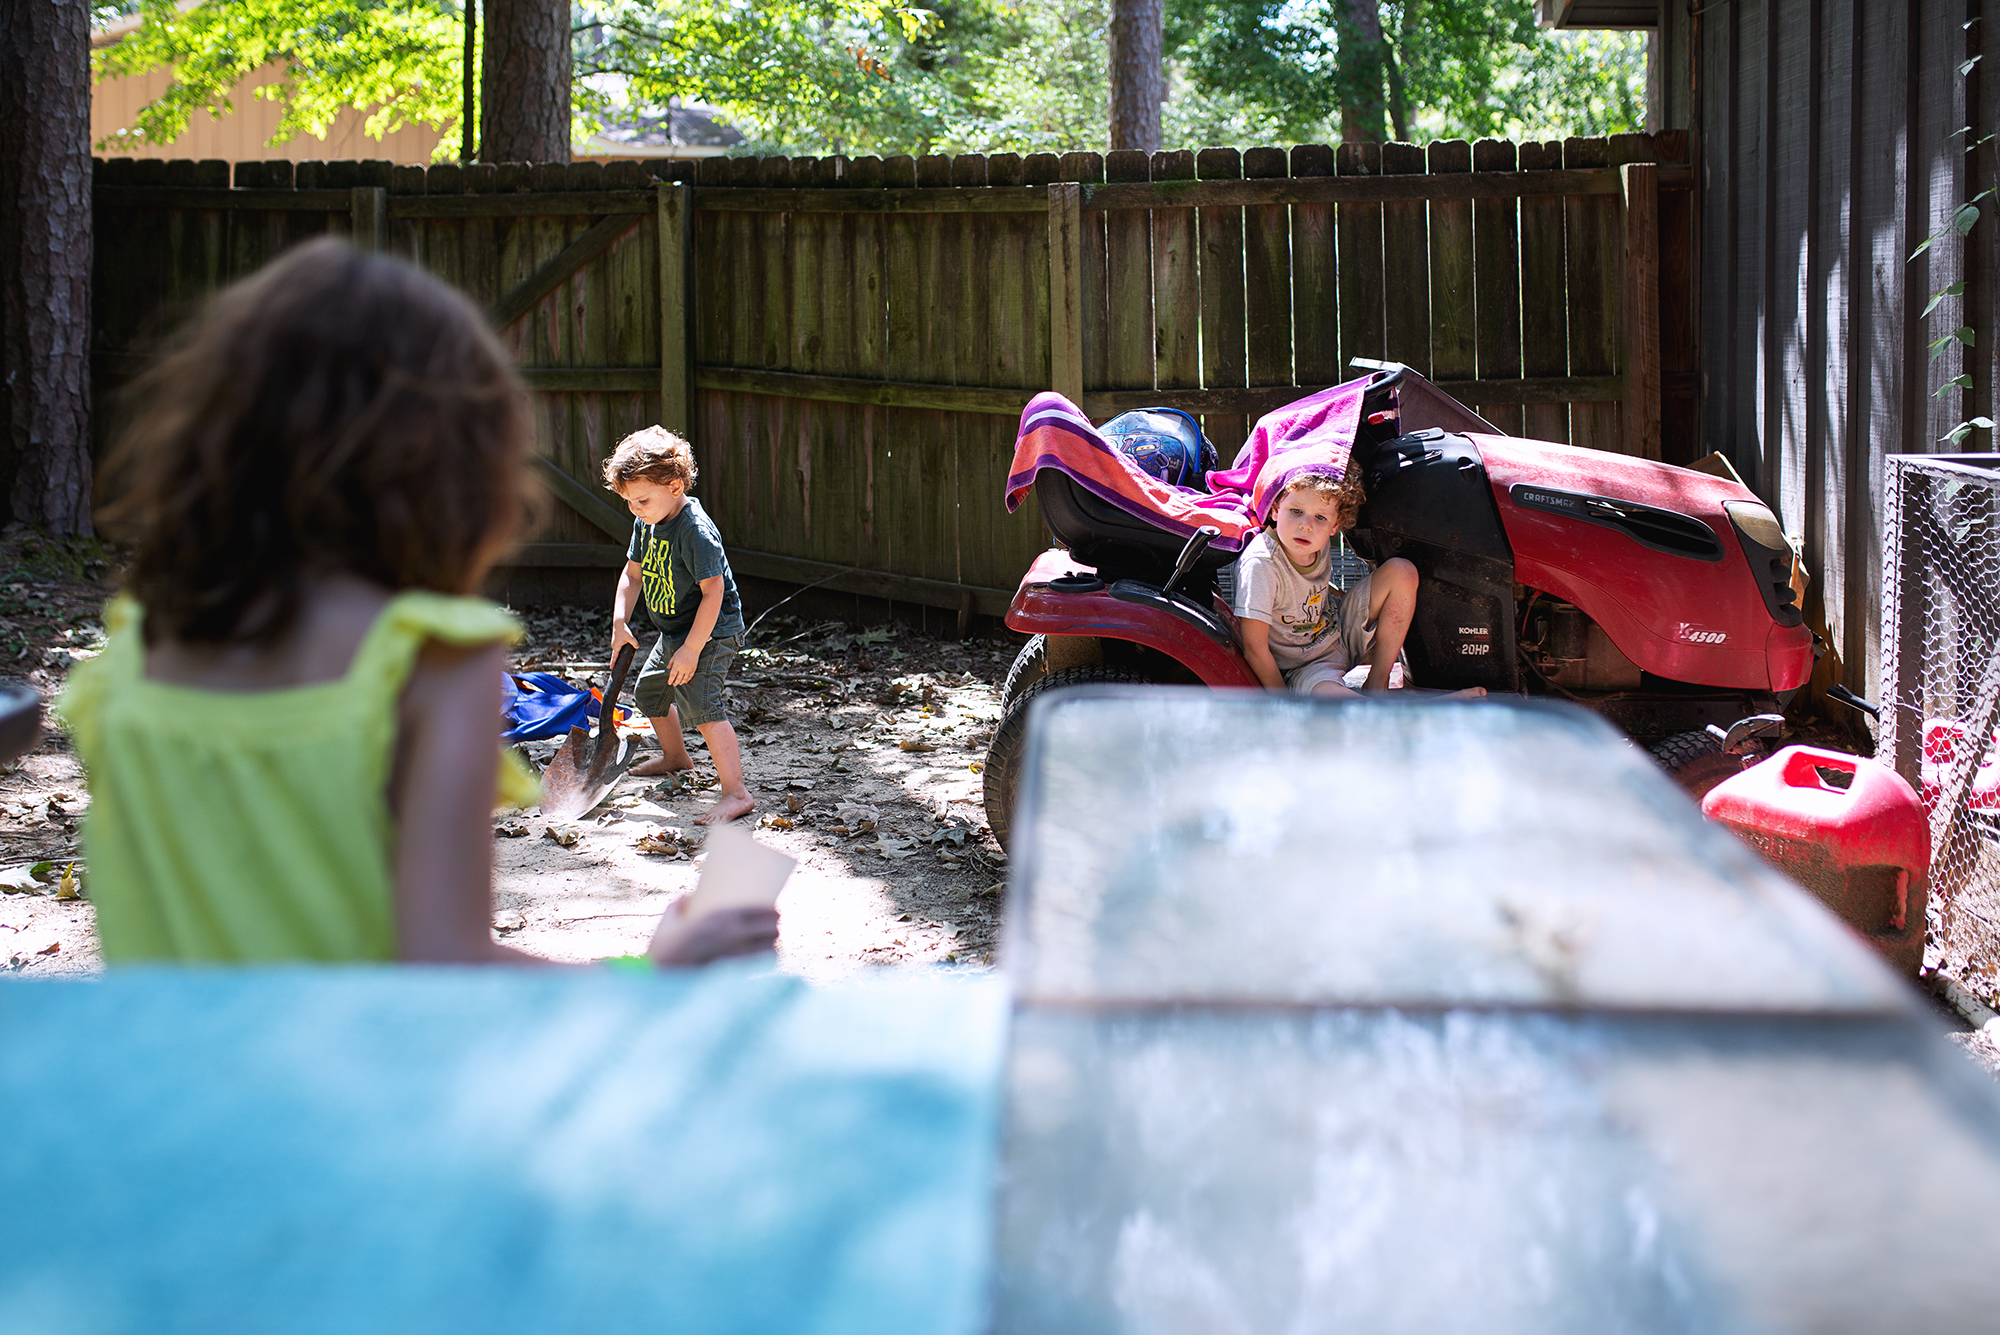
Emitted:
pixel 849 343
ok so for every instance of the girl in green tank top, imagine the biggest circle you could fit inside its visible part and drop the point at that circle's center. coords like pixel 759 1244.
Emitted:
pixel 292 735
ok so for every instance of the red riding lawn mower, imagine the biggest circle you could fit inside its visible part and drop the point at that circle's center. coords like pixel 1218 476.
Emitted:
pixel 1661 597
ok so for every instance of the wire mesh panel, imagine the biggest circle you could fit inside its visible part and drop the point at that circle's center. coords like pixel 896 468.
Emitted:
pixel 1941 691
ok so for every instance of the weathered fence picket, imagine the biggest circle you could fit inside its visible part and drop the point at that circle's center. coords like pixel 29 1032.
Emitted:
pixel 849 343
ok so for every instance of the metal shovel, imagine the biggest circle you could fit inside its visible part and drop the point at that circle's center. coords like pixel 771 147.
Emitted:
pixel 585 769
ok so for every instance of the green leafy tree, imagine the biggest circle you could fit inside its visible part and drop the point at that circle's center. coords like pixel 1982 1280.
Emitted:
pixel 399 60
pixel 1408 69
pixel 830 75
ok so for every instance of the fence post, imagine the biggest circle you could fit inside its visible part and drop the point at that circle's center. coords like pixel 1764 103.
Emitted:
pixel 370 208
pixel 1641 188
pixel 1066 290
pixel 676 307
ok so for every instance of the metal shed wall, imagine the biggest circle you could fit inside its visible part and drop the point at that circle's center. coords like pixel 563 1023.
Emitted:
pixel 1826 155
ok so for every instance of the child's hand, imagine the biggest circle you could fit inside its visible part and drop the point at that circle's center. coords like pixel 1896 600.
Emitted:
pixel 621 635
pixel 680 668
pixel 715 935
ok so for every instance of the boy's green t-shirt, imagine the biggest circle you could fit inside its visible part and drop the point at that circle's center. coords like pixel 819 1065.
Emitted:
pixel 675 556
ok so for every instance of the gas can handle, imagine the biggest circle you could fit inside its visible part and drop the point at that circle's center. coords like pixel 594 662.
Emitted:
pixel 1803 766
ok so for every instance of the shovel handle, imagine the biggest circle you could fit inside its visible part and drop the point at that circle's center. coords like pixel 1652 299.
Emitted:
pixel 609 708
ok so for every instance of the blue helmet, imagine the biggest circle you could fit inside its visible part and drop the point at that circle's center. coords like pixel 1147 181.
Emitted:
pixel 1165 442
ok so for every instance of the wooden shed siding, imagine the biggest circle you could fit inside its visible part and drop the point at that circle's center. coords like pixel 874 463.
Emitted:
pixel 1823 143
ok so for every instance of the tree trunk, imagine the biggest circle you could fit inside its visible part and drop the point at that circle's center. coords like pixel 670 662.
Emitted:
pixel 1363 113
pixel 468 113
pixel 45 259
pixel 1138 82
pixel 524 82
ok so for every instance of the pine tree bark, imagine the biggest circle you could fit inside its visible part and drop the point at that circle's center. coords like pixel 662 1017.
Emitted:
pixel 524 82
pixel 45 260
pixel 1361 76
pixel 1138 81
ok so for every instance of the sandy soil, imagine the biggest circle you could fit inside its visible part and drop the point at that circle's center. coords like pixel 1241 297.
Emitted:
pixel 861 749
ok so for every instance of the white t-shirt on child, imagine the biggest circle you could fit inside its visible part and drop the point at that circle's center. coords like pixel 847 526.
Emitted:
pixel 1301 606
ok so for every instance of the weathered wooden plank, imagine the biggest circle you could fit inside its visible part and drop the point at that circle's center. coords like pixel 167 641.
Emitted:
pixel 1642 315
pixel 1223 359
pixel 1065 246
pixel 1256 401
pixel 550 275
pixel 588 502
pixel 677 290
pixel 1085 169
pixel 1358 231
pixel 1544 305
pixel 1176 283
pixel 1454 310
pixel 1267 277
pixel 1315 300
pixel 1593 237
pixel 191 197
pixel 1496 283
pixel 928 199
pixel 1128 265
pixel 1358 189
pixel 869 583
pixel 1406 265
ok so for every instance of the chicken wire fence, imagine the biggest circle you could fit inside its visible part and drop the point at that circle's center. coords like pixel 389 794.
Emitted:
pixel 1941 691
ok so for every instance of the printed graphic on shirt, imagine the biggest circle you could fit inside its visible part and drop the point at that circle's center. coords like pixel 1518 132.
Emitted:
pixel 656 578
pixel 1310 618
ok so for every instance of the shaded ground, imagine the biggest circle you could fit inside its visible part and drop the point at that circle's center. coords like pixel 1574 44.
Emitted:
pixel 861 748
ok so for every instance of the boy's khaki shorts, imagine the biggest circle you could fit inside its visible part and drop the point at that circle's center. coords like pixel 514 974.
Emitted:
pixel 699 699
pixel 1344 651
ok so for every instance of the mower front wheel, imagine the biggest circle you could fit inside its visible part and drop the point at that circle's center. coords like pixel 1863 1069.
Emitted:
pixel 1696 761
pixel 1002 770
pixel 1030 666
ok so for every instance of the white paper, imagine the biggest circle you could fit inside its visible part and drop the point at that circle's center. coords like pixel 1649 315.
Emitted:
pixel 738 872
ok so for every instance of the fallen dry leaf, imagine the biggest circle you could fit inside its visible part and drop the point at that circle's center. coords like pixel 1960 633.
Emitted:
pixel 509 920
pixel 912 744
pixel 562 838
pixel 66 888
pixel 510 829
pixel 778 822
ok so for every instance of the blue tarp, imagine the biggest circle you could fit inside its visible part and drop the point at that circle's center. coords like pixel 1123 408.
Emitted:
pixel 401 1150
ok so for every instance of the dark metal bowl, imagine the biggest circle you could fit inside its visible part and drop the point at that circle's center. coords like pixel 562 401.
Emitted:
pixel 20 721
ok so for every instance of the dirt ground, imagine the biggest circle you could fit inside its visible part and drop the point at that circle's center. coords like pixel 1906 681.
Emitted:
pixel 861 747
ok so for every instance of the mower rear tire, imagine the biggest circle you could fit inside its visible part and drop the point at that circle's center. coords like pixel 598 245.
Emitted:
pixel 1002 770
pixel 1030 666
pixel 1696 761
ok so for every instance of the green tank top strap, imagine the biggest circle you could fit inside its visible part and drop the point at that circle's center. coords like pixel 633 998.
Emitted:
pixel 387 652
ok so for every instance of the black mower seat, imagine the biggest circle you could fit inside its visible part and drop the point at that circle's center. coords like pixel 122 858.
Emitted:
pixel 1118 544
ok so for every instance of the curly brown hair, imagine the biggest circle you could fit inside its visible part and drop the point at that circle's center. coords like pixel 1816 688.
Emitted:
pixel 653 454
pixel 333 412
pixel 1344 491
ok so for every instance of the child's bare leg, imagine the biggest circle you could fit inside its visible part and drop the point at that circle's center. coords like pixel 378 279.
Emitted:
pixel 1335 690
pixel 1392 605
pixel 735 800
pixel 673 757
pixel 1392 602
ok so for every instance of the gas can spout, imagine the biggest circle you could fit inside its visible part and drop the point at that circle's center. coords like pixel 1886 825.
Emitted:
pixel 1197 543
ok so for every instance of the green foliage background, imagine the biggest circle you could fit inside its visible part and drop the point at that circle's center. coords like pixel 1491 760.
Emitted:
pixel 873 76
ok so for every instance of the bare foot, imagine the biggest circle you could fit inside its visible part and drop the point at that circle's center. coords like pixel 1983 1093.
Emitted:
pixel 659 765
pixel 1469 693
pixel 728 807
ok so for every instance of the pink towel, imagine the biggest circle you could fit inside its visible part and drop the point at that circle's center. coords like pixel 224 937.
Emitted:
pixel 1317 431
pixel 1314 432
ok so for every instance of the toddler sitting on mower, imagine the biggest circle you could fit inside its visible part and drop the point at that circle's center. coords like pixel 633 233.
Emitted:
pixel 1301 633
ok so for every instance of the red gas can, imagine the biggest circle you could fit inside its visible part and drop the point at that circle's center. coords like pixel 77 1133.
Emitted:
pixel 1849 830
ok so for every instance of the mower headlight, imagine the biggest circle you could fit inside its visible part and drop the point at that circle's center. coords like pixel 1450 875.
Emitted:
pixel 1770 554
